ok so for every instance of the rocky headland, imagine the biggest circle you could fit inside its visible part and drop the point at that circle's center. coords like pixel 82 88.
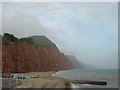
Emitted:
pixel 32 54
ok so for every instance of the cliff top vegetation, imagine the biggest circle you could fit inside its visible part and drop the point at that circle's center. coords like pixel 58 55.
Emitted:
pixel 39 41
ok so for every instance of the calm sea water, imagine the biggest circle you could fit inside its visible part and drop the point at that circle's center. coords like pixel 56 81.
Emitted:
pixel 111 76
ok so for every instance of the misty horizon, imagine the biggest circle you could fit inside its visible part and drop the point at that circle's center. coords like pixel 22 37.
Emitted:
pixel 87 31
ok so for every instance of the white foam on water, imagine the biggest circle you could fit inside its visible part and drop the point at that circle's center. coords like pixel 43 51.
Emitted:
pixel 74 85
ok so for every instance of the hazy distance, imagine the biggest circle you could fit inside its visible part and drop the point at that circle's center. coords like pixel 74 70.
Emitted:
pixel 86 30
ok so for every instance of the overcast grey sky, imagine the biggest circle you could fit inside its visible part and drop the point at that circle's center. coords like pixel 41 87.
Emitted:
pixel 87 30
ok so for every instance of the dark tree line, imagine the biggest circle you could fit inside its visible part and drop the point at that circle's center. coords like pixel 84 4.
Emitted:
pixel 11 39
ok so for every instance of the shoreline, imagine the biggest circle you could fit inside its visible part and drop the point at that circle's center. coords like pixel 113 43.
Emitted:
pixel 46 80
pixel 42 80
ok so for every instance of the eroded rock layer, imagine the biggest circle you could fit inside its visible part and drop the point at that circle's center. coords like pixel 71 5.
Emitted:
pixel 29 58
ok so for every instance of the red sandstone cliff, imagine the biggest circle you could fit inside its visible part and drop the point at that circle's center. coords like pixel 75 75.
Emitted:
pixel 28 58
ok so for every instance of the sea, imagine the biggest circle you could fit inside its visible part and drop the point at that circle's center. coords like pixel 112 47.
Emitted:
pixel 109 75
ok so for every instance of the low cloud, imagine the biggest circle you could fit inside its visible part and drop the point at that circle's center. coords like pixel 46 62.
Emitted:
pixel 86 30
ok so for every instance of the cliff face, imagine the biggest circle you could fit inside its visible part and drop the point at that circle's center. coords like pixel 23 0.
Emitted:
pixel 75 62
pixel 28 58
